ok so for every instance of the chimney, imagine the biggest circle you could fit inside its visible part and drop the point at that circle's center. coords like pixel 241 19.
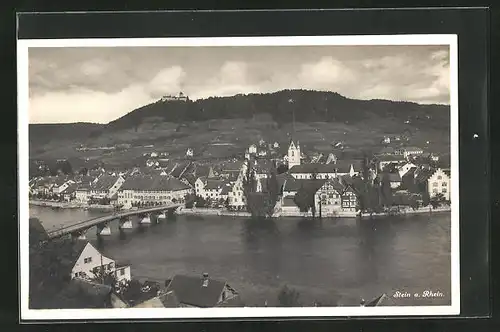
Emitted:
pixel 205 280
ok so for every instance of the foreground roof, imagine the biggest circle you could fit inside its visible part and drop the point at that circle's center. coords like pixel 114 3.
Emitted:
pixel 190 290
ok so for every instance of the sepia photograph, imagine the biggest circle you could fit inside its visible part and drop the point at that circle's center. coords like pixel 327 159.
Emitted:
pixel 247 177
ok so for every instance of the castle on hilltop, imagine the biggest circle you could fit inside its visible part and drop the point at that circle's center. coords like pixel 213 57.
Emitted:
pixel 179 97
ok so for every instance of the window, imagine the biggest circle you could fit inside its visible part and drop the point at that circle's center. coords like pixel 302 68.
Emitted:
pixel 440 177
pixel 444 184
pixel 435 191
pixel 87 260
pixel 110 266
pixel 76 274
pixel 435 184
pixel 444 190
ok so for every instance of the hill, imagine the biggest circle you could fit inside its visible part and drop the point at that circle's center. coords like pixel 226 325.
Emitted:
pixel 43 133
pixel 305 105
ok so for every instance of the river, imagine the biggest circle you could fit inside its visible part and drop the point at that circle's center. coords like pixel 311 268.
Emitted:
pixel 333 261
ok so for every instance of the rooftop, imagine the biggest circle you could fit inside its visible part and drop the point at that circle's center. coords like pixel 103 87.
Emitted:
pixel 153 182
pixel 192 290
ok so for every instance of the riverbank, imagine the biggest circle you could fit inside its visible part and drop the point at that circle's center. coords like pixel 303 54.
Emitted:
pixel 211 212
pixel 405 212
pixel 71 205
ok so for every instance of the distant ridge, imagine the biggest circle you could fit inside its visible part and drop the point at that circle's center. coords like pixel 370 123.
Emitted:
pixel 308 106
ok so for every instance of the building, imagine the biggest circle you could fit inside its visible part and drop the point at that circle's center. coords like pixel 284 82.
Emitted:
pixel 211 189
pixel 152 189
pixel 189 152
pixel 236 197
pixel 179 97
pixel 309 171
pixel 82 193
pixel 409 151
pixel 439 183
pixel 294 154
pixel 405 168
pixel 82 260
pixel 252 149
pixel 393 178
pixel 201 291
pixel 291 187
pixel 106 186
pixel 386 160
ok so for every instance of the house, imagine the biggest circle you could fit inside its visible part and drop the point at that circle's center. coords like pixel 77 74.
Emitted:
pixel 80 259
pixel 213 189
pixel 189 152
pixel 201 291
pixel 82 193
pixel 154 154
pixel 439 182
pixel 152 163
pixel 409 151
pixel 294 154
pixel 404 168
pixel 252 149
pixel 386 151
pixel 392 177
pixel 70 192
pixel 61 184
pixel 236 197
pixel 386 140
pixel 106 186
pixel 308 171
pixel 291 187
pixel 386 160
pixel 152 189
pixel 276 145
pixel 348 167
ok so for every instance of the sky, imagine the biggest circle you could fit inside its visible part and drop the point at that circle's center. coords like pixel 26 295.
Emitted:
pixel 101 84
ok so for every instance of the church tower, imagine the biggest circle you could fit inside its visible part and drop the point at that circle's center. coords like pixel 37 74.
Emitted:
pixel 293 154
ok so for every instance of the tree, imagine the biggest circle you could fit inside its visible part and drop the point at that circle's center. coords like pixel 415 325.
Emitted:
pixel 190 200
pixel 386 191
pixel 304 199
pixel 200 202
pixel 101 275
pixel 426 200
pixel 226 203
pixel 282 168
pixel 437 200
pixel 288 297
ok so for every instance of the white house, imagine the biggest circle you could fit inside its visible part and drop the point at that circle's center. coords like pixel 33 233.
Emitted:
pixel 439 183
pixel 252 149
pixel 86 262
pixel 189 152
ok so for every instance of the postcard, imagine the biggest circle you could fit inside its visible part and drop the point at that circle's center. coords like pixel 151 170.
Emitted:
pixel 241 177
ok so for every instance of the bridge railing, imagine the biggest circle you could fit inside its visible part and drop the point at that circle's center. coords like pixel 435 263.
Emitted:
pixel 112 216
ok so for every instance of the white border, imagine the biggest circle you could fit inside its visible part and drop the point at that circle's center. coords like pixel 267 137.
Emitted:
pixel 136 313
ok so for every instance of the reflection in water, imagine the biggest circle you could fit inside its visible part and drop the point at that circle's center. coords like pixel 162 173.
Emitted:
pixel 326 260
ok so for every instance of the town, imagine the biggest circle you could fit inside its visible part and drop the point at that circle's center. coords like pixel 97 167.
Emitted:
pixel 289 182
